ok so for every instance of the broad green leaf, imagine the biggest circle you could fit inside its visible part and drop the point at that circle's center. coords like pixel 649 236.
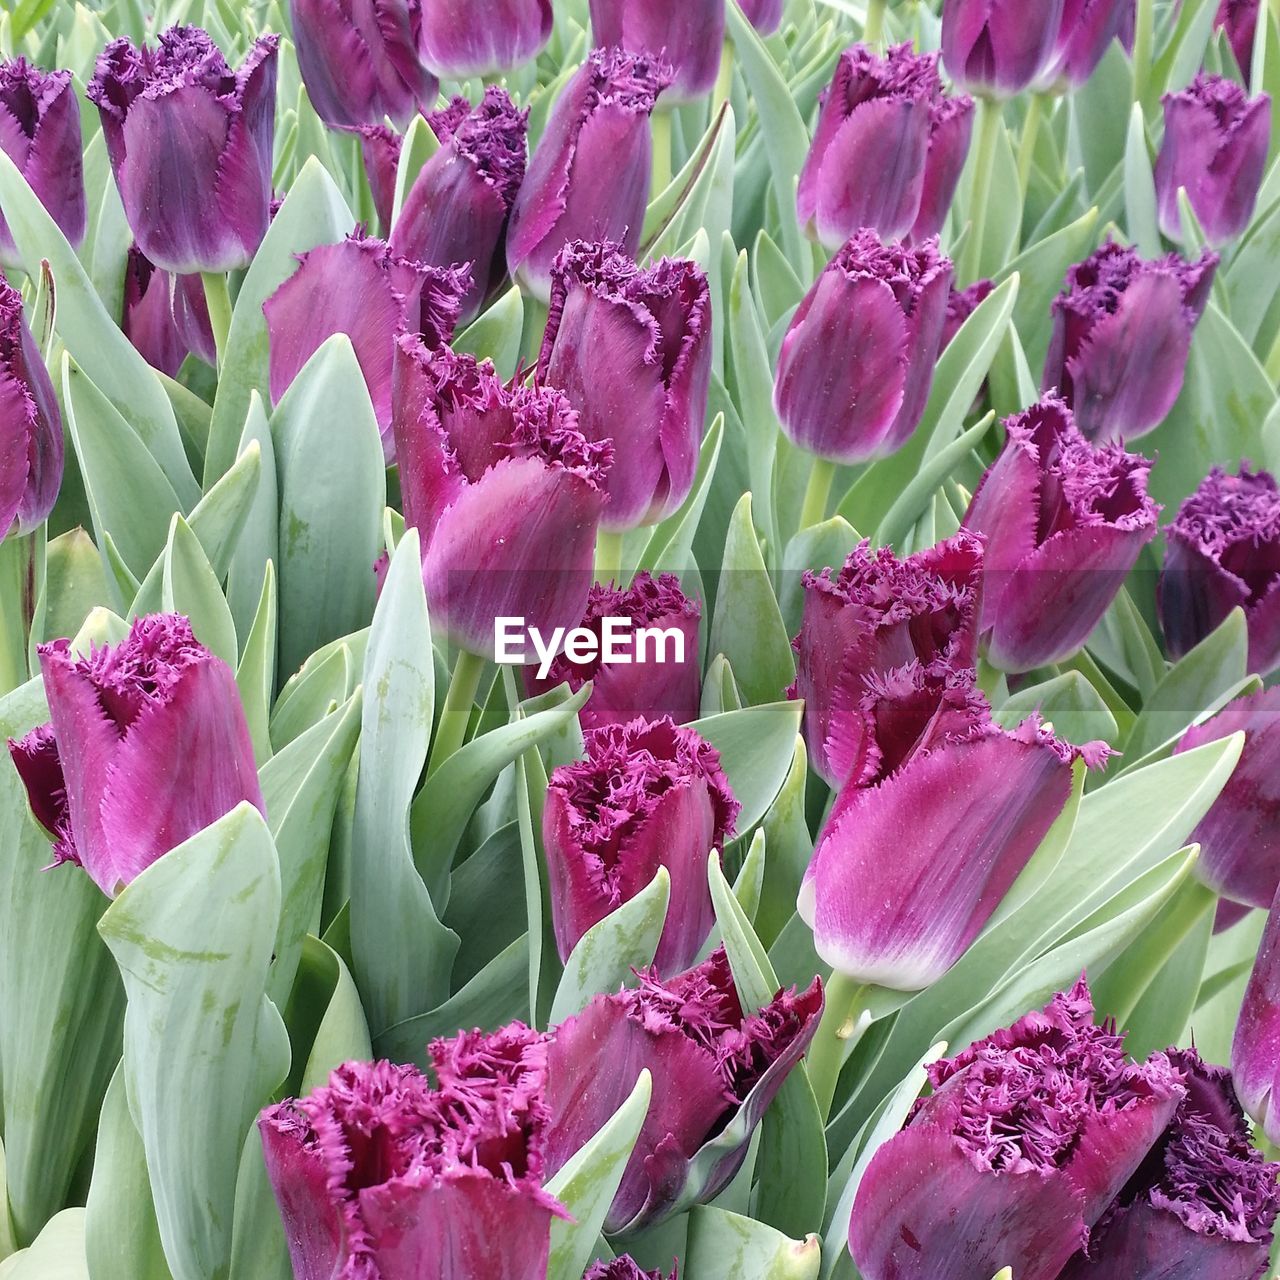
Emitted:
pixel 75 584
pixel 790 849
pixel 495 335
pixel 256 674
pixel 756 745
pixel 419 145
pixel 189 586
pixel 58 1254
pixel 1140 189
pixel 1068 702
pixel 821 546
pixel 259 539
pixel 324 682
pixel 726 1246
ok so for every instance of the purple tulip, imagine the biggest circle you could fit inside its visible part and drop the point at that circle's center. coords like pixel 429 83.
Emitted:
pixel 1255 1051
pixel 190 144
pixel 1121 335
pixel 458 206
pixel 631 344
pixel 380 147
pixel 40 133
pixel 165 316
pixel 1239 19
pixel 688 34
pixel 764 15
pixel 1084 35
pixel 713 1064
pixel 998 48
pixel 1065 521
pixel 470 38
pixel 1215 146
pixel 1223 551
pixel 625 1268
pixel 927 746
pixel 857 362
pixel 589 176
pixel 648 795
pixel 649 681
pixel 504 490
pixel 146 745
pixel 961 304
pixel 1201 1206
pixel 1024 1142
pixel 887 137
pixel 380 1176
pixel 875 616
pixel 361 288
pixel 30 424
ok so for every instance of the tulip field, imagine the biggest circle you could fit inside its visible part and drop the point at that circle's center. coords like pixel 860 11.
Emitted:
pixel 639 639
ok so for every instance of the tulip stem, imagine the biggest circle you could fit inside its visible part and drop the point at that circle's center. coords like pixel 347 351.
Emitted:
pixel 818 493
pixel 609 557
pixel 1027 143
pixel 724 80
pixel 989 112
pixel 455 716
pixel 662 124
pixel 17 607
pixel 873 32
pixel 835 1038
pixel 217 298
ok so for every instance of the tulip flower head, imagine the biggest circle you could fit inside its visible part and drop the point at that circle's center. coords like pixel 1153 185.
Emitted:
pixel 764 15
pixel 1086 31
pixel 165 316
pixel 1239 19
pixel 190 144
pixel 625 1268
pixel 1255 1050
pixel 715 1066
pixel 688 34
pixel 998 48
pixel 462 39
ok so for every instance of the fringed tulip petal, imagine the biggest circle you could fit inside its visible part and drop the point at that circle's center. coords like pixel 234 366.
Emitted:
pixel 688 34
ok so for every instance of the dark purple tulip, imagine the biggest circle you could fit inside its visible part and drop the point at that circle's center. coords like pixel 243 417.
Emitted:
pixel 504 490
pixel 857 362
pixel 1223 551
pixel 30 424
pixel 961 304
pixel 1239 19
pixel 1255 1051
pixel 632 345
pixel 458 206
pixel 40 133
pixel 380 147
pixel 1215 145
pixel 360 60
pixel 147 744
pixel 713 1063
pixel 998 48
pixel 589 176
pixel 650 682
pixel 190 144
pixel 380 1176
pixel 764 15
pixel 625 1268
pixel 469 38
pixel 165 316
pixel 1024 1142
pixel 1202 1206
pixel 1065 521
pixel 648 795
pixel 1087 30
pixel 688 34
pixel 887 137
pixel 1121 334
pixel 361 288
pixel 875 615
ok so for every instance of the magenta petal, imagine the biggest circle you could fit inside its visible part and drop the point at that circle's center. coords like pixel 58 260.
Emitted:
pixel 948 151
pixel 36 759
pixel 1255 1051
pixel 461 39
pixel 688 34
pixel 1196 593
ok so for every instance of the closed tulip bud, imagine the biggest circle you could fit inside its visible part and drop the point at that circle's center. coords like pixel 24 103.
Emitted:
pixel 30 424
pixel 715 1067
pixel 764 15
pixel 1223 552
pixel 40 133
pixel 1239 19
pixel 961 304
pixel 146 745
pixel 648 795
pixel 688 34
pixel 857 362
pixel 458 206
pixel 165 316
pixel 1121 335
pixel 1064 521
pixel 658 674
pixel 589 176
pixel 631 344
pixel 625 1268
pixel 875 615
pixel 873 153
pixel 361 288
pixel 504 490
pixel 1255 1057
pixel 1086 31
pixel 380 1175
pixel 998 48
pixel 1020 1148
pixel 1215 146
pixel 482 37
pixel 190 144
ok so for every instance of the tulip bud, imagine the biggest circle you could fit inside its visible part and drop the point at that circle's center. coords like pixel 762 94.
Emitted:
pixel 1121 334
pixel 1239 19
pixel 147 744
pixel 40 133
pixel 998 48
pixel 380 1175
pixel 190 144
pixel 886 131
pixel 165 316
pixel 857 362
pixel 713 1064
pixel 876 615
pixel 457 208
pixel 1084 35
pixel 764 15
pixel 961 304
pixel 366 290
pixel 504 490
pixel 625 1268
pixel 483 37
pixel 1223 551
pixel 589 176
pixel 1215 146
pixel 1254 1060
pixel 1023 1143
pixel 688 34
pixel 640 677
pixel 648 795
pixel 1065 521
pixel 630 344
pixel 30 424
